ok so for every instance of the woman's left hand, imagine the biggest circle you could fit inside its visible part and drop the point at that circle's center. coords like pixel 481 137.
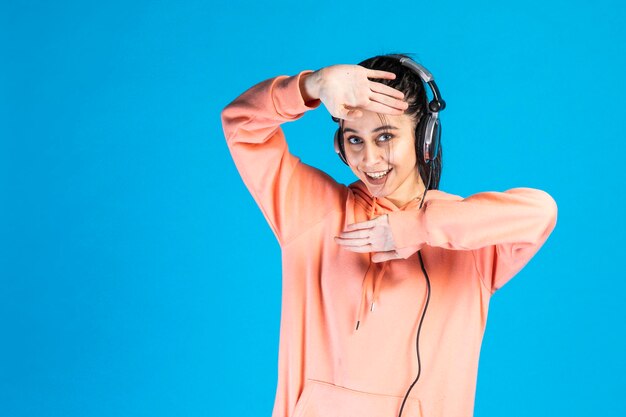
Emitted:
pixel 370 236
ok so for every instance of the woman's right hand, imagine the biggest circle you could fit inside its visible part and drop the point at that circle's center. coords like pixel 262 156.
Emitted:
pixel 346 90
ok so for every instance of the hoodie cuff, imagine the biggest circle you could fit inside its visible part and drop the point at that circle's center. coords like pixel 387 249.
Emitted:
pixel 288 98
pixel 408 228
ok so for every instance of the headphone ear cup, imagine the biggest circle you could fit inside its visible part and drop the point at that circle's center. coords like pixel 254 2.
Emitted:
pixel 436 140
pixel 421 137
pixel 431 131
pixel 339 146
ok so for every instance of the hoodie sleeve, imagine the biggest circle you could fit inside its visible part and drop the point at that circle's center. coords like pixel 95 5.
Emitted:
pixel 503 230
pixel 290 194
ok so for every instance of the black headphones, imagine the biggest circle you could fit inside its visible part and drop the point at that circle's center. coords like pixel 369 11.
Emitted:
pixel 428 129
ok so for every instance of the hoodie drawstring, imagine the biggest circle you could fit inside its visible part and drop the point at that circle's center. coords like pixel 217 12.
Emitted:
pixel 372 278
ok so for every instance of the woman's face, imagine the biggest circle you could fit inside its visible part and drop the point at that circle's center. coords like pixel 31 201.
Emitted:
pixel 384 158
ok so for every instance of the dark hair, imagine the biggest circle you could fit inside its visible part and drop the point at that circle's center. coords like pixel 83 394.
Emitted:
pixel 412 86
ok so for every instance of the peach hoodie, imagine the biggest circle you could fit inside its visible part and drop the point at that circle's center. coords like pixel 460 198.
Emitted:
pixel 470 247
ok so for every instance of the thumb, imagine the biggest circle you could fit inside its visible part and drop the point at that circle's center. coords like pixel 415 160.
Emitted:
pixel 354 114
pixel 347 113
pixel 384 256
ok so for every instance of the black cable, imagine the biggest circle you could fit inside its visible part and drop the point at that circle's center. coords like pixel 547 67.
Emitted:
pixel 419 364
pixel 430 176
pixel 419 328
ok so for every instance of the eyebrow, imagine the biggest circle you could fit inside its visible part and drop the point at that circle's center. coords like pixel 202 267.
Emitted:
pixel 378 129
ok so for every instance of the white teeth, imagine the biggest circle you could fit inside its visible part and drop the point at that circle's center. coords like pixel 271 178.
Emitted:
pixel 378 175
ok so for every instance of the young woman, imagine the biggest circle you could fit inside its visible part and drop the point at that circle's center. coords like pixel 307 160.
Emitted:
pixel 387 281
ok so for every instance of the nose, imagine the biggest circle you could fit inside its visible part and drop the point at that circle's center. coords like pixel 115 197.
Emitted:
pixel 372 154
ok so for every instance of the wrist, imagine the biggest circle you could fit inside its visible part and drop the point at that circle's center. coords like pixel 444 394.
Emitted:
pixel 309 86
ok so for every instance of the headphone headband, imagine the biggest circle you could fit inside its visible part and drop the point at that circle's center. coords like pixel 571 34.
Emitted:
pixel 437 102
pixel 424 74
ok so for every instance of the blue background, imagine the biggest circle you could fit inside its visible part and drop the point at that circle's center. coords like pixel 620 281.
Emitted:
pixel 138 277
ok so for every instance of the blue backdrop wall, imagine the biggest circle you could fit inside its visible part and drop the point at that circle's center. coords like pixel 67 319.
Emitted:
pixel 138 277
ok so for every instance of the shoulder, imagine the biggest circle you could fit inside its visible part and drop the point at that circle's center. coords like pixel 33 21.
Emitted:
pixel 441 195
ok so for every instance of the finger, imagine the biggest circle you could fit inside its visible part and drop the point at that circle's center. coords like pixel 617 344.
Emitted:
pixel 376 107
pixel 368 224
pixel 404 253
pixel 352 242
pixel 385 256
pixel 381 74
pixel 355 234
pixel 354 114
pixel 385 89
pixel 390 101
pixel 359 249
pixel 348 113
pixel 342 112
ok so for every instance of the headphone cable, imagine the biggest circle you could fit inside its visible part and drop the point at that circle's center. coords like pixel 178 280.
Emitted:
pixel 419 328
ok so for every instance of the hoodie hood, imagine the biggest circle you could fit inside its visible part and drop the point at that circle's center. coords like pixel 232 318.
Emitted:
pixel 375 207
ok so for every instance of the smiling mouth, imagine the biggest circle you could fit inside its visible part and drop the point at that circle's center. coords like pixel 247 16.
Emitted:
pixel 376 175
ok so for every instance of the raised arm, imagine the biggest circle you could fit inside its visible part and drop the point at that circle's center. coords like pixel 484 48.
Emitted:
pixel 503 230
pixel 291 194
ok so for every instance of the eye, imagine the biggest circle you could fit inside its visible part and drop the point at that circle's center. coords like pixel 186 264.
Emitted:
pixel 388 137
pixel 354 140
